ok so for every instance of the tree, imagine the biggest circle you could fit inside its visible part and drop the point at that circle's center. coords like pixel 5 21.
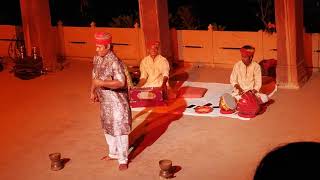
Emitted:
pixel 125 21
pixel 184 19
pixel 267 15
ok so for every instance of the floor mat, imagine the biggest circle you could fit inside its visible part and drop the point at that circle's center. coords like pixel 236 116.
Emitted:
pixel 215 90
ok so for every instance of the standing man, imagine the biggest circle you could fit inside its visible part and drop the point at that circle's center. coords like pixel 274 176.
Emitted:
pixel 109 88
pixel 246 75
pixel 154 68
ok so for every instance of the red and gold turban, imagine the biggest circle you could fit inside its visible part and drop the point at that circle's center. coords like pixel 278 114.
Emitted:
pixel 103 38
pixel 152 43
pixel 247 52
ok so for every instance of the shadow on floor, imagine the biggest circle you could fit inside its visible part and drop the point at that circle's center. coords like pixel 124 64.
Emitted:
pixel 157 119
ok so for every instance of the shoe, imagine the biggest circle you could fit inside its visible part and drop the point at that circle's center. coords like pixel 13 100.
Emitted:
pixel 123 167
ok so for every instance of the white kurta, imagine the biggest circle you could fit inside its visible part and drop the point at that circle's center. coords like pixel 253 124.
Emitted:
pixel 248 77
pixel 154 70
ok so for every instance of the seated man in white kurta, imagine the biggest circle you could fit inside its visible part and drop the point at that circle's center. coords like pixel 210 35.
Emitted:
pixel 246 75
pixel 154 68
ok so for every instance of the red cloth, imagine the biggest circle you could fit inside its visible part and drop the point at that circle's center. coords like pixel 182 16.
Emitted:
pixel 268 85
pixel 268 63
pixel 268 67
pixel 247 52
pixel 103 38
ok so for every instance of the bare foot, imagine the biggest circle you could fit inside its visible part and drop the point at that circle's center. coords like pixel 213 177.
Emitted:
pixel 123 167
pixel 107 158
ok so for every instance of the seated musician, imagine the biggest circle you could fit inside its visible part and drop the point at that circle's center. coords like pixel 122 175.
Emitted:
pixel 154 68
pixel 246 75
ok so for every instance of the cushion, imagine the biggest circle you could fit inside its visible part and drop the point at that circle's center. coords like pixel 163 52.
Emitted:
pixel 191 92
pixel 267 80
pixel 268 85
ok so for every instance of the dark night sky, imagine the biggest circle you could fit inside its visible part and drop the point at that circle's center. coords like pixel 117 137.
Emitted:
pixel 241 15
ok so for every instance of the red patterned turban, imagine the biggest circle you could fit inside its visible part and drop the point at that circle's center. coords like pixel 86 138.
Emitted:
pixel 103 38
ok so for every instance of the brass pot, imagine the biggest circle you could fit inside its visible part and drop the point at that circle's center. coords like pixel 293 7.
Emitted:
pixel 56 162
pixel 166 168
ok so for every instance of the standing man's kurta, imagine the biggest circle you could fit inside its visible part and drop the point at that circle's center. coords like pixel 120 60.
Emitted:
pixel 115 109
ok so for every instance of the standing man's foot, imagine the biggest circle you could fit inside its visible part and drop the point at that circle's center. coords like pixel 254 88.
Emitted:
pixel 108 158
pixel 123 167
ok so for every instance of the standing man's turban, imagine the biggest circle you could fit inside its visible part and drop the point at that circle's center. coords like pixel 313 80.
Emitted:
pixel 103 38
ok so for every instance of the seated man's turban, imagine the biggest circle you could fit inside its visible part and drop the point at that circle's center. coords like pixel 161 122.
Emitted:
pixel 152 43
pixel 247 52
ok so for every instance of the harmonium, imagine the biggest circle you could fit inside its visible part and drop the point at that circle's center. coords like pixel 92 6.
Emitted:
pixel 146 97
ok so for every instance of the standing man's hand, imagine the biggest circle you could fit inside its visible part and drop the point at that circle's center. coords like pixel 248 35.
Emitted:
pixel 97 83
pixel 94 97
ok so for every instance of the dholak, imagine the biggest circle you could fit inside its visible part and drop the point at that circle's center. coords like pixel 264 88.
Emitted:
pixel 227 104
pixel 248 106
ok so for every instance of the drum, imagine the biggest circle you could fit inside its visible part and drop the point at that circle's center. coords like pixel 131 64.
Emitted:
pixel 203 109
pixel 248 106
pixel 227 104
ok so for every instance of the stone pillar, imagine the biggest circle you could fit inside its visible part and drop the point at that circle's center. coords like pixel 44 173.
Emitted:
pixel 291 70
pixel 210 45
pixel 61 52
pixel 36 22
pixel 155 24
pixel 137 42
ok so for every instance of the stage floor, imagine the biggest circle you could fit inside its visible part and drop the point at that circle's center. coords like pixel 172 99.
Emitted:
pixel 53 113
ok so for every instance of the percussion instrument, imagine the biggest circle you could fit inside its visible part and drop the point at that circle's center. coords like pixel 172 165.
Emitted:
pixel 203 109
pixel 248 106
pixel 227 104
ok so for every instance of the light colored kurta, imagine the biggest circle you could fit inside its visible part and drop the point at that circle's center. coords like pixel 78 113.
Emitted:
pixel 248 77
pixel 115 111
pixel 154 70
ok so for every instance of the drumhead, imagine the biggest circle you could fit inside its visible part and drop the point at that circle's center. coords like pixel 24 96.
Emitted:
pixel 229 100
